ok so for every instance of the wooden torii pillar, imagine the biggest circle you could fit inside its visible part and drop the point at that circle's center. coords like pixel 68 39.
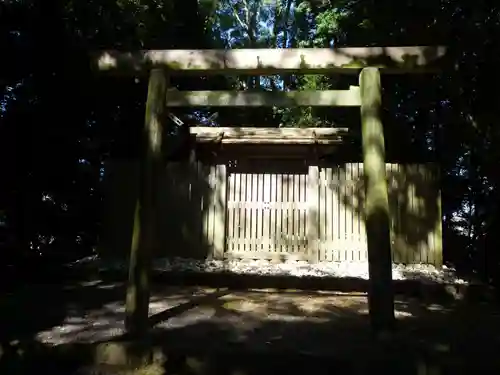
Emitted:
pixel 371 61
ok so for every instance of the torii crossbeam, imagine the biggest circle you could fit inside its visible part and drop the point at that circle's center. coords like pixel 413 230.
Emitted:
pixel 394 60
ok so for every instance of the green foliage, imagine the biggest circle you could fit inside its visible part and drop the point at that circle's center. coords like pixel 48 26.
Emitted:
pixel 59 122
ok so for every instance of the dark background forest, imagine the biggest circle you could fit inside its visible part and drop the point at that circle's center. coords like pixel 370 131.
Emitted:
pixel 60 121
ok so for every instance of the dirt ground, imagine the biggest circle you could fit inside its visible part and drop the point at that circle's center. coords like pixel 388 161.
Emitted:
pixel 267 319
pixel 263 329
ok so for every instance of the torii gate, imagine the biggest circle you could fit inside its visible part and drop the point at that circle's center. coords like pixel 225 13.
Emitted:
pixel 369 62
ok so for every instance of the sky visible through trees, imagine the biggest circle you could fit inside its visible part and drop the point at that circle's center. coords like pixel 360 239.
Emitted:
pixel 60 122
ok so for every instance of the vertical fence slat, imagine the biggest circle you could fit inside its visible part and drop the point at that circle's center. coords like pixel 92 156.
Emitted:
pixel 220 212
pixel 328 208
pixel 354 213
pixel 312 225
pixel 417 246
pixel 247 219
pixel 291 212
pixel 249 212
pixel 279 218
pixel 303 213
pixel 434 193
pixel 266 188
pixel 230 219
pixel 197 190
pixel 429 196
pixel 360 220
pixel 243 211
pixel 272 213
pixel 213 204
pixel 262 213
pixel 238 213
pixel 206 205
pixel 284 210
pixel 291 187
pixel 347 227
pixel 293 239
pixel 343 213
pixel 208 209
pixel 431 193
pixel 411 254
pixel 322 240
pixel 298 210
pixel 438 226
pixel 201 170
pixel 332 210
pixel 287 212
pixel 362 229
pixel 332 176
pixel 349 213
pixel 392 173
pixel 258 212
pixel 253 213
pixel 329 214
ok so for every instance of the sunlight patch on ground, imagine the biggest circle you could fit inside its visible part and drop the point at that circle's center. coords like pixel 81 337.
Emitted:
pixel 238 316
pixel 239 312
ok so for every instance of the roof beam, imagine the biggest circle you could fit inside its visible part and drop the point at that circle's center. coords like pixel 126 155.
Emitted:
pixel 269 135
pixel 272 61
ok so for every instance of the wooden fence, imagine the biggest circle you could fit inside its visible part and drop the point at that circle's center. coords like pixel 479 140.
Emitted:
pixel 267 210
pixel 279 210
pixel 415 214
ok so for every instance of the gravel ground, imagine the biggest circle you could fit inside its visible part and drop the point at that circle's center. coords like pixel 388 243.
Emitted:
pixel 306 322
pixel 107 321
pixel 422 272
pixel 255 317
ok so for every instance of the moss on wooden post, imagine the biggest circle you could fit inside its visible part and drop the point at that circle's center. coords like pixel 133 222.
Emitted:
pixel 144 236
pixel 381 297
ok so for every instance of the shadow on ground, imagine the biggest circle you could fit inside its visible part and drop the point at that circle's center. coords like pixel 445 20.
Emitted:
pixel 247 330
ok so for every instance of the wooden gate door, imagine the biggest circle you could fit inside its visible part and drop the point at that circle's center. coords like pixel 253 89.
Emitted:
pixel 267 210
